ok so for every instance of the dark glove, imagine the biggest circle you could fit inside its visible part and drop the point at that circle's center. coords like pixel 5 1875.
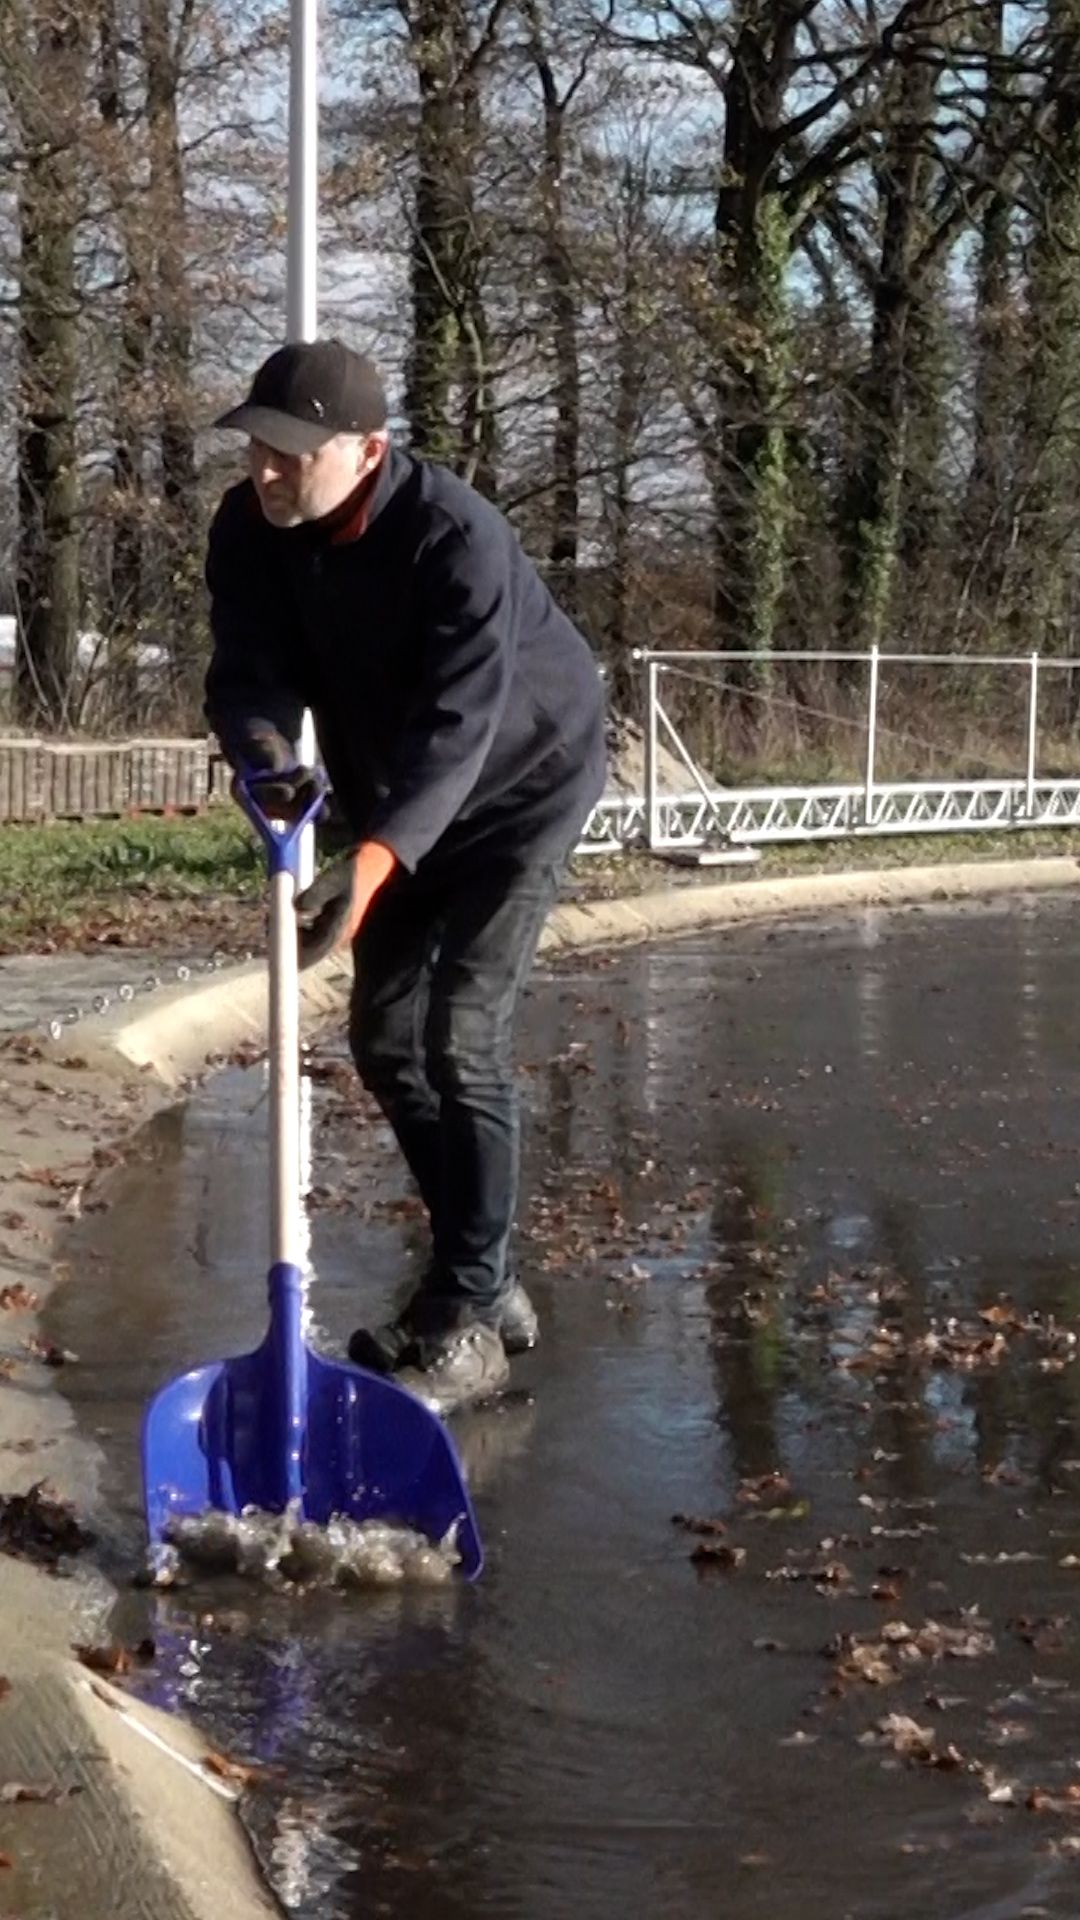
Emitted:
pixel 267 751
pixel 329 913
pixel 324 909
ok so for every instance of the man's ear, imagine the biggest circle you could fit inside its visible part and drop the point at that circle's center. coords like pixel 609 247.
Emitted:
pixel 373 450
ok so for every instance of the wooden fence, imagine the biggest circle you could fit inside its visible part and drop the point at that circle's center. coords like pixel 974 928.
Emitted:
pixel 93 779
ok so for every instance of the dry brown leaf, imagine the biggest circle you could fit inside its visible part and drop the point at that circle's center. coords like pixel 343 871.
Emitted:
pixel 236 1771
pixel 47 1351
pixel 17 1298
pixel 717 1554
pixel 15 1792
pixel 1045 1800
pixel 697 1523
pixel 113 1658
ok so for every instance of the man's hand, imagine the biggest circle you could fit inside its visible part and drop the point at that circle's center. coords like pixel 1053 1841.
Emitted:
pixel 330 912
pixel 287 797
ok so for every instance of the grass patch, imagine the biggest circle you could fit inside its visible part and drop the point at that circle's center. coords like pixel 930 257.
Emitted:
pixel 66 882
pixel 188 886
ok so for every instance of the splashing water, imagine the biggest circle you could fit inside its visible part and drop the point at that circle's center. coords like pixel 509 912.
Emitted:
pixel 285 1550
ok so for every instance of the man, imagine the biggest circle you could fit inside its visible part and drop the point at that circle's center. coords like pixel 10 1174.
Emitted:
pixel 459 716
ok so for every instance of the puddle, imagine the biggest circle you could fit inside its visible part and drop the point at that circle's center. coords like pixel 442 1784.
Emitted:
pixel 775 1183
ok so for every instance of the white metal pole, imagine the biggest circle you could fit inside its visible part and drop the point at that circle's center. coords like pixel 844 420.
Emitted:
pixel 301 277
pixel 286 1229
pixel 871 740
pixel 652 809
pixel 302 300
pixel 1033 730
pixel 302 323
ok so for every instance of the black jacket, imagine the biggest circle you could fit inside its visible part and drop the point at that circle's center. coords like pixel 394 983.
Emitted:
pixel 459 712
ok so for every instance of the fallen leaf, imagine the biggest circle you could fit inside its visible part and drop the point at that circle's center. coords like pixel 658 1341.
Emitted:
pixel 47 1351
pixel 914 1743
pixel 17 1298
pixel 113 1658
pixel 1044 1800
pixel 718 1554
pixel 694 1523
pixel 12 1792
pixel 37 1526
pixel 236 1771
pixel 772 1486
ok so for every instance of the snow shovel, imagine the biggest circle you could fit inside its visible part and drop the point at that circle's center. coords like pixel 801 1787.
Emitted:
pixel 283 1424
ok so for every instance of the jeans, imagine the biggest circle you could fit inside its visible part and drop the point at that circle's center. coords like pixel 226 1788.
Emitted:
pixel 439 969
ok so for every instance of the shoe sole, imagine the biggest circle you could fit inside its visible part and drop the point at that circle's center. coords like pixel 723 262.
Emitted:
pixel 519 1341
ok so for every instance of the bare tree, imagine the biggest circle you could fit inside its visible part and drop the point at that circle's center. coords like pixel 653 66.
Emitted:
pixel 43 54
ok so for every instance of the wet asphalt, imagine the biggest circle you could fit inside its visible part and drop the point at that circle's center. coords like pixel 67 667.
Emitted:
pixel 801 1216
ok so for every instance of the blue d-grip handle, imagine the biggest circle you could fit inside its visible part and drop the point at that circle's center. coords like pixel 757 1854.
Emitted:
pixel 282 841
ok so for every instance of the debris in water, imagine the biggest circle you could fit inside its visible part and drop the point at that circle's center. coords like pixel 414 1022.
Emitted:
pixel 282 1549
pixel 115 1659
pixel 37 1526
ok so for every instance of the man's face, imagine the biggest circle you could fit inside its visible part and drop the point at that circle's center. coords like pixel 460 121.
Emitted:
pixel 297 487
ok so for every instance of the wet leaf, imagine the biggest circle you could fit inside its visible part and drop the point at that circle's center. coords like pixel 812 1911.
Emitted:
pixel 14 1792
pixel 1044 1635
pixel 773 1487
pixel 236 1771
pixel 113 1659
pixel 1003 1314
pixel 717 1555
pixel 37 1526
pixel 47 1351
pixel 1045 1800
pixel 913 1743
pixel 696 1523
pixel 17 1298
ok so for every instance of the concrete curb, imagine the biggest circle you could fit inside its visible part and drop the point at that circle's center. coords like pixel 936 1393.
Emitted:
pixel 188 1028
pixel 148 1831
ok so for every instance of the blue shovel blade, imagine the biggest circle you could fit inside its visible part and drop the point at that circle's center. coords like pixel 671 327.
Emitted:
pixel 215 1437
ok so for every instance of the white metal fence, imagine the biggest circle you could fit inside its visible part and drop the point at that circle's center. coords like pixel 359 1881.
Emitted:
pixel 674 805
pixel 692 812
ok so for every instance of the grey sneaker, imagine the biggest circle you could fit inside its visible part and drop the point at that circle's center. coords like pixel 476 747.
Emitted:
pixel 460 1370
pixel 518 1324
pixel 427 1316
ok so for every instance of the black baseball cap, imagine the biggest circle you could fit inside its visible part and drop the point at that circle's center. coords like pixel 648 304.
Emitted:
pixel 308 392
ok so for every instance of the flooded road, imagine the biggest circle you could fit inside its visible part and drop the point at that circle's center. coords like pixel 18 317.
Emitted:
pixel 802 1220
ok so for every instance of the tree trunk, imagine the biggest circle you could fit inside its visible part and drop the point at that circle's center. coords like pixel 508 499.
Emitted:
pixel 753 250
pixel 628 399
pixel 924 503
pixel 124 591
pixel 477 457
pixel 1040 592
pixel 47 554
pixel 989 480
pixel 871 513
pixel 434 354
pixel 173 353
pixel 562 308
